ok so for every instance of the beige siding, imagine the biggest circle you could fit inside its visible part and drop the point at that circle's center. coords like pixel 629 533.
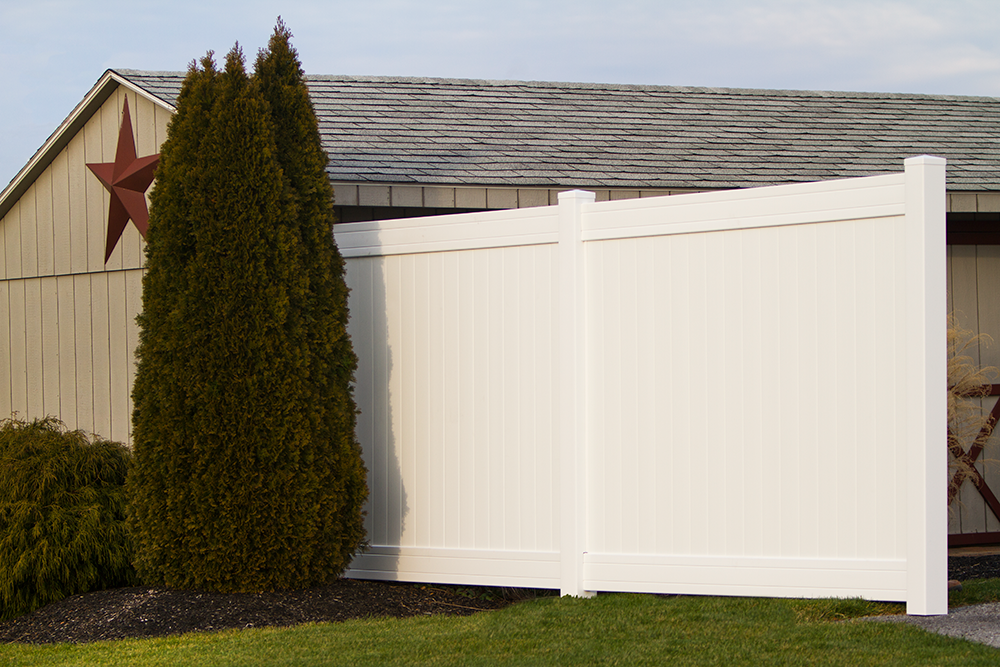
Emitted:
pixel 973 202
pixel 44 231
pixel 69 333
pixel 437 196
pixel 974 280
pixel 49 311
pixel 5 347
pixel 72 248
pixel 58 253
pixel 31 316
pixel 18 350
pixel 95 210
pixel 83 393
pixel 101 354
pixel 12 241
pixel 66 369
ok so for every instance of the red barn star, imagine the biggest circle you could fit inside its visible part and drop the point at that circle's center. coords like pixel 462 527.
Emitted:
pixel 127 179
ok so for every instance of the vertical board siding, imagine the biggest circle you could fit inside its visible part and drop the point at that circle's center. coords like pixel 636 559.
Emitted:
pixel 988 279
pixel 69 343
pixel 29 233
pixel 66 321
pixel 32 317
pixel 44 205
pixel 6 221
pixel 90 257
pixel 83 341
pixel 456 399
pixel 71 253
pixel 6 369
pixel 101 352
pixel 973 281
pixel 58 242
pixel 17 356
pixel 48 307
pixel 69 352
pixel 118 356
pixel 133 306
pixel 12 241
pixel 969 511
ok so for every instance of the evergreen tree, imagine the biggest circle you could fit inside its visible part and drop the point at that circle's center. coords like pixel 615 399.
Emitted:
pixel 163 431
pixel 245 478
pixel 309 199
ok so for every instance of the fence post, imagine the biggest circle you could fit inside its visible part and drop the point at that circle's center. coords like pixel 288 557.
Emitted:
pixel 572 392
pixel 926 402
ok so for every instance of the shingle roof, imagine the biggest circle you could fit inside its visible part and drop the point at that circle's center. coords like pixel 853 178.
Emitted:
pixel 465 132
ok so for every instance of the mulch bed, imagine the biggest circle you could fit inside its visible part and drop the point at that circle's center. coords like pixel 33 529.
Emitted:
pixel 151 612
pixel 973 567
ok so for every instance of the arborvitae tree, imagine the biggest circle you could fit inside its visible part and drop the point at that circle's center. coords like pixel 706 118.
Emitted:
pixel 244 478
pixel 308 197
pixel 160 485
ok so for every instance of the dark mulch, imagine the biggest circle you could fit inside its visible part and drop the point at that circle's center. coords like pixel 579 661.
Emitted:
pixel 153 612
pixel 973 567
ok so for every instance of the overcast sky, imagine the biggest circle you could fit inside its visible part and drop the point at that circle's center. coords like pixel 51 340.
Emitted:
pixel 53 51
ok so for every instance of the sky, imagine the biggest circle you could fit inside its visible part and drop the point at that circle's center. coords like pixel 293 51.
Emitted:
pixel 52 52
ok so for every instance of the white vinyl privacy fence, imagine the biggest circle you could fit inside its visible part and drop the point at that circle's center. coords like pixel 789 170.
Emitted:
pixel 728 393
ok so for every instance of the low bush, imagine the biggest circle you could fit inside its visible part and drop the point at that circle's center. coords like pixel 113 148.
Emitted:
pixel 62 514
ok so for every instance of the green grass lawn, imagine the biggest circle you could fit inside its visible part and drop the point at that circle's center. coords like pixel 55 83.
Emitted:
pixel 613 629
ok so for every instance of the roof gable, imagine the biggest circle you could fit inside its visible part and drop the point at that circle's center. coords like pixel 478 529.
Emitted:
pixel 58 224
pixel 418 131
pixel 91 104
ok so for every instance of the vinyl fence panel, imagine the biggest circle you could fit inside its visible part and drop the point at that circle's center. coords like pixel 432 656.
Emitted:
pixel 455 329
pixel 736 393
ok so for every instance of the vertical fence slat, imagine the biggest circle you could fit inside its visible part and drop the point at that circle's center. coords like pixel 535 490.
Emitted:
pixel 469 463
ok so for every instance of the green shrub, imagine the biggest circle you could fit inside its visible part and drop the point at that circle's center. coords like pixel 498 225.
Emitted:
pixel 248 475
pixel 62 514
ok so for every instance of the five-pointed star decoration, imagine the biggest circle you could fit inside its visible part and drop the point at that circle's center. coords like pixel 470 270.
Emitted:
pixel 127 179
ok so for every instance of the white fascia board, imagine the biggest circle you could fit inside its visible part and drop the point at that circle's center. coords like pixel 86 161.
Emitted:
pixel 58 140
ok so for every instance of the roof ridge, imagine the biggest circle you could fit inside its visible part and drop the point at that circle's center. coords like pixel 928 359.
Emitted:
pixel 578 85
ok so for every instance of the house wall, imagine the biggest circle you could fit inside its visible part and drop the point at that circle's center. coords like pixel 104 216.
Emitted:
pixel 973 286
pixel 363 199
pixel 68 335
pixel 470 197
pixel 973 202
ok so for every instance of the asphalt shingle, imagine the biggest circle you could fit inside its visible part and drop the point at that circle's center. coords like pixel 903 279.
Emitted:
pixel 438 131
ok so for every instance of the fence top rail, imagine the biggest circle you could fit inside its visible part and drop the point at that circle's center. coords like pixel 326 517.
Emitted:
pixel 459 231
pixel 772 206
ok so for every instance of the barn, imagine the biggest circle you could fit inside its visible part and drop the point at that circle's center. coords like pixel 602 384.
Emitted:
pixel 71 248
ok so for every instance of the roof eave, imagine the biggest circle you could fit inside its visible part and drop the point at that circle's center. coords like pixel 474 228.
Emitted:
pixel 43 157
